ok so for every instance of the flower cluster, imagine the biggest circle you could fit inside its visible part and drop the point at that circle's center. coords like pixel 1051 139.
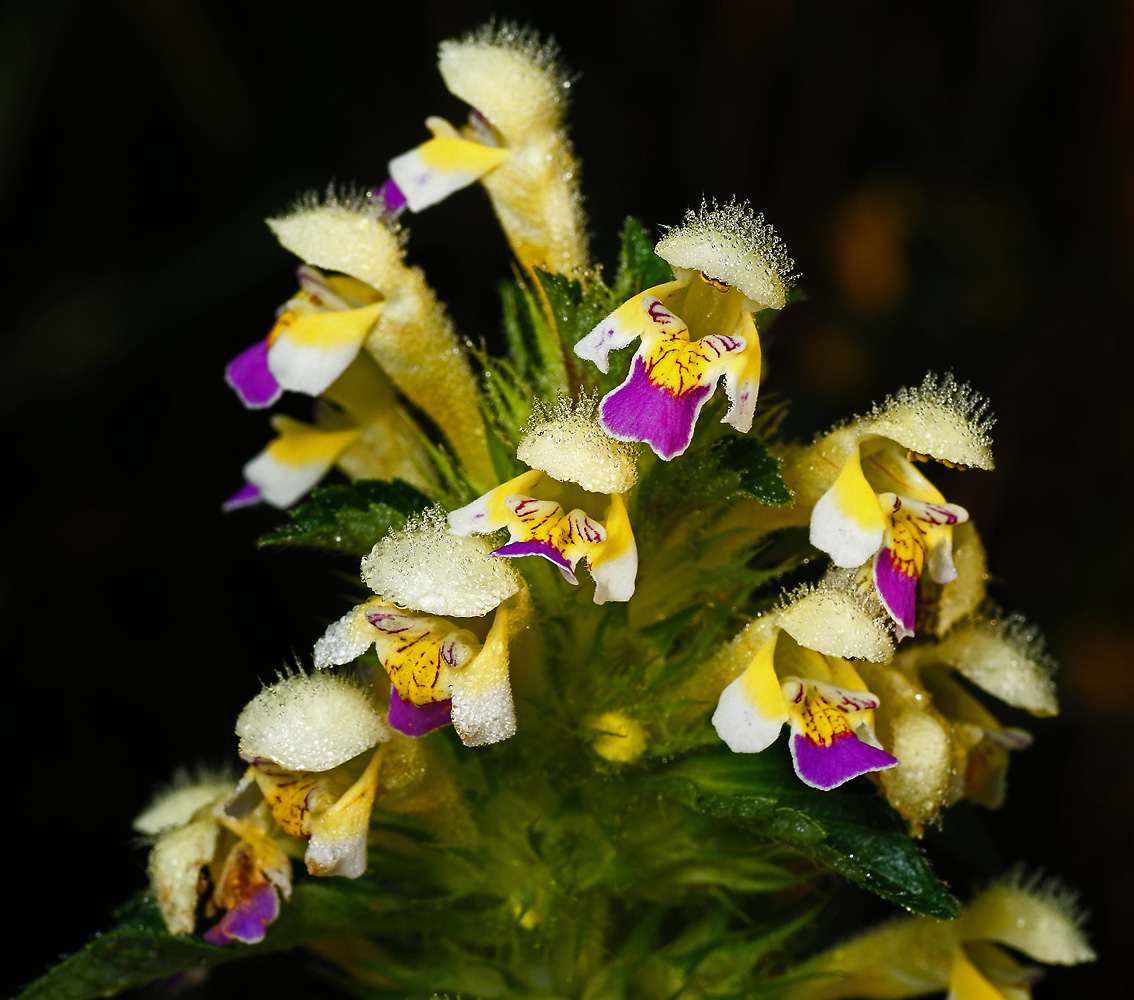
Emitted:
pixel 676 614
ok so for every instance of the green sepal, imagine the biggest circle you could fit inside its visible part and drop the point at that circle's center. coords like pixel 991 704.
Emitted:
pixel 639 267
pixel 507 403
pixel 575 310
pixel 534 346
pixel 851 830
pixel 349 518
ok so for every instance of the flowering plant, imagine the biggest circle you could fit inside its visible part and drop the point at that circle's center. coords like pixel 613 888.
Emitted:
pixel 500 774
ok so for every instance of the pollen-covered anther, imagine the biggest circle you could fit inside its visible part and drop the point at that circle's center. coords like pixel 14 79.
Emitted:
pixel 733 244
pixel 427 568
pixel 570 445
pixel 310 722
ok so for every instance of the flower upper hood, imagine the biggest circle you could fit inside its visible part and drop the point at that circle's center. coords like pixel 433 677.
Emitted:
pixel 514 144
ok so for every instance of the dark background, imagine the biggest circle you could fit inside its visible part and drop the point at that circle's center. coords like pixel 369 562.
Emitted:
pixel 955 182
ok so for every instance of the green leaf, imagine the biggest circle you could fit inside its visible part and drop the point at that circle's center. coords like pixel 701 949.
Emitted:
pixel 534 345
pixel 349 518
pixel 851 829
pixel 756 469
pixel 732 467
pixel 140 949
pixel 639 267
pixel 575 308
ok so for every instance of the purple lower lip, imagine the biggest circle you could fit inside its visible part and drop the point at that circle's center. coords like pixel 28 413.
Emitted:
pixel 411 720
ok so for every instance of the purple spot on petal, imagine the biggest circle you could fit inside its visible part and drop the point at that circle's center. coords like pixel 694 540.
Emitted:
pixel 898 591
pixel 392 198
pixel 638 410
pixel 658 313
pixel 243 497
pixel 537 548
pixel 407 718
pixel 937 514
pixel 385 621
pixel 247 920
pixel 827 767
pixel 248 374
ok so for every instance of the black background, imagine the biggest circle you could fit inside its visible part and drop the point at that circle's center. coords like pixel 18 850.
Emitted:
pixel 955 182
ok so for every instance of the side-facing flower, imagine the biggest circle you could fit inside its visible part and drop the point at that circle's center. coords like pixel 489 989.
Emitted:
pixel 917 956
pixel 570 447
pixel 951 746
pixel 360 427
pixel 514 144
pixel 305 737
pixel 820 695
pixel 376 304
pixel 439 671
pixel 728 264
pixel 195 832
pixel 876 508
pixel 317 334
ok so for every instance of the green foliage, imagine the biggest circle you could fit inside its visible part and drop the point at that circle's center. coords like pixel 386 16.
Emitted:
pixel 546 314
pixel 562 868
pixel 717 471
pixel 639 267
pixel 852 829
pixel 139 949
pixel 573 310
pixel 507 404
pixel 349 518
pixel 534 345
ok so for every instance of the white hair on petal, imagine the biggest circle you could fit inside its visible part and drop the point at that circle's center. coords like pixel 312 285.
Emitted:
pixel 568 442
pixel 941 418
pixel 175 804
pixel 1005 656
pixel 837 617
pixel 424 567
pixel 345 231
pixel 510 76
pixel 733 244
pixel 310 722
pixel 1034 914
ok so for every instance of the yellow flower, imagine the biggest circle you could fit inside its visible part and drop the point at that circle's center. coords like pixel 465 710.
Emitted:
pixel 950 745
pixel 822 697
pixel 570 447
pixel 917 956
pixel 870 506
pixel 305 736
pixel 195 831
pixel 378 306
pixel 440 672
pixel 728 264
pixel 514 144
